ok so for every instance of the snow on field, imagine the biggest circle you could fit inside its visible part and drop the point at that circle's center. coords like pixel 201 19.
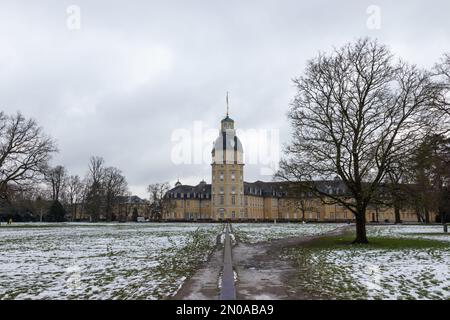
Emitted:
pixel 100 261
pixel 361 273
pixel 432 232
pixel 257 232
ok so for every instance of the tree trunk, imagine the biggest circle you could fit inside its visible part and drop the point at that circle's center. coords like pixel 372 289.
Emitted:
pixel 361 236
pixel 427 216
pixel 419 216
pixel 397 214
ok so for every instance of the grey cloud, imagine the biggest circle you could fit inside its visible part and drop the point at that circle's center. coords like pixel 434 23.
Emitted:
pixel 138 70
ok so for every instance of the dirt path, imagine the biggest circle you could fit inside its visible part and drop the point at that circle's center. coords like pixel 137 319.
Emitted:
pixel 261 274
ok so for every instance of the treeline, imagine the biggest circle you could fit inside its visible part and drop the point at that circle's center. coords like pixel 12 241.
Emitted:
pixel 419 180
pixel 54 195
pixel 33 190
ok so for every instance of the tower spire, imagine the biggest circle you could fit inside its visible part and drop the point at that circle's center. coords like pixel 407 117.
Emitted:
pixel 228 107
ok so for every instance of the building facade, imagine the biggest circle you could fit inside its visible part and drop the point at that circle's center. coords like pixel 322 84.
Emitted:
pixel 229 197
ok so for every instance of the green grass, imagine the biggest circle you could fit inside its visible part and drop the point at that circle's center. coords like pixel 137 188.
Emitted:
pixel 345 241
pixel 334 268
pixel 429 234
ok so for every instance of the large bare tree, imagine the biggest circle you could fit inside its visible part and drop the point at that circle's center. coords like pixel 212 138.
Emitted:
pixel 24 151
pixel 356 111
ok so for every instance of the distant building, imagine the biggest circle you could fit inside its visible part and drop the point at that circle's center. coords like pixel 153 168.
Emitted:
pixel 229 197
pixel 123 209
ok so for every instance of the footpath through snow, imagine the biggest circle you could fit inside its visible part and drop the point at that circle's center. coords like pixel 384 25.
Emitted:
pixel 258 273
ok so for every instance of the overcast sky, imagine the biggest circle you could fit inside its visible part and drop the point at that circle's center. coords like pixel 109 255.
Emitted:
pixel 137 72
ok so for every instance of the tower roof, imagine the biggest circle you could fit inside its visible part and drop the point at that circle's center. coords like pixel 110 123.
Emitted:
pixel 227 119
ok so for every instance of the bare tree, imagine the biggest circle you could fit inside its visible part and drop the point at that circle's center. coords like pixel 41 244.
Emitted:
pixel 396 186
pixel 74 193
pixel 125 207
pixel 24 151
pixel 158 202
pixel 441 108
pixel 430 174
pixel 299 198
pixel 356 111
pixel 94 190
pixel 114 185
pixel 56 178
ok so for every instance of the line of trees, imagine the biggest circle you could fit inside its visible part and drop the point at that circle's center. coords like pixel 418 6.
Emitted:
pixel 375 122
pixel 31 189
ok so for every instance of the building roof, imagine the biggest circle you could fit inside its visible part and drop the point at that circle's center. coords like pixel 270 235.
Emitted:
pixel 130 199
pixel 228 119
pixel 257 188
pixel 201 191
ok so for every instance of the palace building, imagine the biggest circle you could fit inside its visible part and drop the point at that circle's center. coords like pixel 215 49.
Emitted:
pixel 229 197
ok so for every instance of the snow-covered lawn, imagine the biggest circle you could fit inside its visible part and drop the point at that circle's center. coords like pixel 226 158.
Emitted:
pixel 402 262
pixel 257 232
pixel 100 261
pixel 432 232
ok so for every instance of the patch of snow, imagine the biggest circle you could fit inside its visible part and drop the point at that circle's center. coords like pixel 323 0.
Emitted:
pixel 94 261
pixel 258 232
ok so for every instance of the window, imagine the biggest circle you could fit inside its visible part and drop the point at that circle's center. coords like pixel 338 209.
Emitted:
pixel 233 199
pixel 221 199
pixel 233 176
pixel 221 176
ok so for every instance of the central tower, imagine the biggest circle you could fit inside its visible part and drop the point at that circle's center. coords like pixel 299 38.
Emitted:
pixel 227 173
